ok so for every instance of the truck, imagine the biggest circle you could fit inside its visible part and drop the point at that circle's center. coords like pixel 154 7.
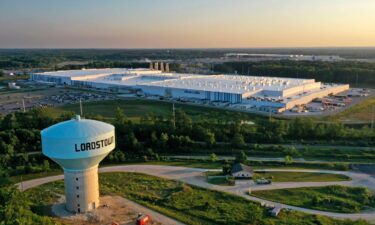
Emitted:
pixel 143 219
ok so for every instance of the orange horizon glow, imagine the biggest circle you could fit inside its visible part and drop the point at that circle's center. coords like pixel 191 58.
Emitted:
pixel 187 24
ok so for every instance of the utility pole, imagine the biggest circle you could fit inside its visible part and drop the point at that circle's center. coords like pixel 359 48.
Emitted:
pixel 80 106
pixel 356 80
pixel 372 118
pixel 174 116
pixel 269 115
pixel 23 105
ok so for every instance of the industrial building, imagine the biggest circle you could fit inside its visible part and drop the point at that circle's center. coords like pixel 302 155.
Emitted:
pixel 273 94
pixel 78 145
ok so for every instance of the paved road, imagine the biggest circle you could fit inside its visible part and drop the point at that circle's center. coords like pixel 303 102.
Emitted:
pixel 194 176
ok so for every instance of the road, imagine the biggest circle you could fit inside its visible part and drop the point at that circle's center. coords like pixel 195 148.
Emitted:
pixel 195 177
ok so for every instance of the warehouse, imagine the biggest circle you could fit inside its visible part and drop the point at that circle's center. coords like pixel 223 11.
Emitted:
pixel 270 93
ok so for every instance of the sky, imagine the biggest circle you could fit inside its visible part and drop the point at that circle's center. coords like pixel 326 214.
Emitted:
pixel 186 23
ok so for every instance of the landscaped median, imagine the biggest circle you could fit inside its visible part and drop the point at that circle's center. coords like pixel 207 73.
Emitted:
pixel 330 198
pixel 284 176
pixel 189 204
pixel 218 178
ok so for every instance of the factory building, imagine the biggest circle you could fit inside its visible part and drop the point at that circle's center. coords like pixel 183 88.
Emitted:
pixel 278 94
pixel 78 145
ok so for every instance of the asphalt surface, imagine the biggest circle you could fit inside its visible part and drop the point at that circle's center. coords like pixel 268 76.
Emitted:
pixel 195 177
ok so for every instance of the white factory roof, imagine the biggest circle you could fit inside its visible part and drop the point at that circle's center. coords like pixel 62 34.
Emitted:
pixel 91 72
pixel 231 83
pixel 214 83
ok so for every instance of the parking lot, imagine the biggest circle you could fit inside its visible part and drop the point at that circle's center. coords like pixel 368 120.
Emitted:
pixel 29 98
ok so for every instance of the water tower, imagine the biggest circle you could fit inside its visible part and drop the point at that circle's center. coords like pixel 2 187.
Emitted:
pixel 78 145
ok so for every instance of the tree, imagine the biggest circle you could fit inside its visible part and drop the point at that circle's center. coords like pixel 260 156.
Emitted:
pixel 213 157
pixel 238 141
pixel 241 157
pixel 120 117
pixel 7 122
pixel 119 156
pixel 292 151
pixel 16 209
pixel 164 138
pixel 209 138
pixel 227 169
pixel 46 166
pixel 288 160
pixel 184 123
pixel 1 73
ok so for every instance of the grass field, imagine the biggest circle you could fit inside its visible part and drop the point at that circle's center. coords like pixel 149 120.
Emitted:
pixel 362 112
pixel 331 198
pixel 301 176
pixel 192 164
pixel 219 181
pixel 136 108
pixel 189 204
pixel 217 177
pixel 30 176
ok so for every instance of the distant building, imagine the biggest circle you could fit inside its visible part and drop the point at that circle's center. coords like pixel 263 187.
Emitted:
pixel 279 57
pixel 12 85
pixel 242 171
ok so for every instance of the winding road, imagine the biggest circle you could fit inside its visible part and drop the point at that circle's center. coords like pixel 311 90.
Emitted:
pixel 195 177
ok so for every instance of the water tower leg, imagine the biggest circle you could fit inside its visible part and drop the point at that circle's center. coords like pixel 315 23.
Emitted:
pixel 81 190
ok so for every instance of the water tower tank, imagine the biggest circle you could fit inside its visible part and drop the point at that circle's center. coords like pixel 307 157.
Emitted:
pixel 78 145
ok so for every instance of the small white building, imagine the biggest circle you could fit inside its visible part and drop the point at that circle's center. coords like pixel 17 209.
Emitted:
pixel 241 171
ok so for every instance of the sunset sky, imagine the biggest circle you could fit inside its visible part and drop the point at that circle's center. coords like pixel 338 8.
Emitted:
pixel 186 23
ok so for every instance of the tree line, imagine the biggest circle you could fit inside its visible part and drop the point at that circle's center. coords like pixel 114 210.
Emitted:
pixel 153 136
pixel 351 72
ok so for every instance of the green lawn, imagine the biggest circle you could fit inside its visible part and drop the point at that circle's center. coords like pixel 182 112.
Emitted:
pixel 44 196
pixel 301 177
pixel 136 108
pixel 221 180
pixel 192 164
pixel 331 198
pixel 30 176
pixel 189 204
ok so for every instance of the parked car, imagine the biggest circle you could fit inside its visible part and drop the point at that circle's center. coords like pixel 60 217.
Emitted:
pixel 263 181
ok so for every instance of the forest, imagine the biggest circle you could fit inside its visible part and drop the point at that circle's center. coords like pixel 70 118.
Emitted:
pixel 351 72
pixel 154 136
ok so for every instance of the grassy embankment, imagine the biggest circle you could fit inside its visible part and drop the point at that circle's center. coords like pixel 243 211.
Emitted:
pixel 331 198
pixel 189 204
pixel 301 177
pixel 218 178
pixel 362 112
pixel 134 109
